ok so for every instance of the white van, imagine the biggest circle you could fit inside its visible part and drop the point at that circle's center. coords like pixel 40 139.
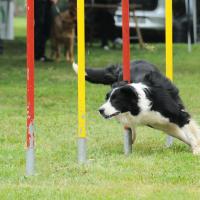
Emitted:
pixel 151 18
pixel 150 14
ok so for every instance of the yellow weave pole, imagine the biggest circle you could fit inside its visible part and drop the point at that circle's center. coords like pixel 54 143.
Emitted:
pixel 169 39
pixel 169 48
pixel 81 82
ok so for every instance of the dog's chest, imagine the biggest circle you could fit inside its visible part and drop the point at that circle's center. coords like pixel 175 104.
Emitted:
pixel 151 118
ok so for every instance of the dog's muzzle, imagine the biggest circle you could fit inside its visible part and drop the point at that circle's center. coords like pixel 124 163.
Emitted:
pixel 102 112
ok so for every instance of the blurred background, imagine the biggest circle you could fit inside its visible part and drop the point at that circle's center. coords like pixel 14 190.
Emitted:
pixel 150 17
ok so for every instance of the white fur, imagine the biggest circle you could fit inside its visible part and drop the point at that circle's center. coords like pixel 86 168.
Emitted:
pixel 143 102
pixel 189 134
pixel 108 108
pixel 75 68
pixel 192 132
pixel 155 119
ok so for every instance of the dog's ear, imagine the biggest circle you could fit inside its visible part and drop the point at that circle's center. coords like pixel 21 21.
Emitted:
pixel 128 91
pixel 119 84
pixel 72 9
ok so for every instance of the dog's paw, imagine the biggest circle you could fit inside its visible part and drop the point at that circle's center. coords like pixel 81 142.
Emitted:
pixel 75 67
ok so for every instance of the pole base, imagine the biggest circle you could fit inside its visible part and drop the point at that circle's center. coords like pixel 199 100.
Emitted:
pixel 169 141
pixel 30 162
pixel 82 154
pixel 127 141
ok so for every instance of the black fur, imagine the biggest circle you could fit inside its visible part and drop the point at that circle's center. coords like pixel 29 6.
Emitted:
pixel 167 106
pixel 125 99
pixel 157 80
pixel 140 71
pixel 106 76
pixel 163 94
pixel 113 73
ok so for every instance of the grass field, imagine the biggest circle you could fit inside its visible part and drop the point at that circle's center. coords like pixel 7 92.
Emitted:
pixel 151 172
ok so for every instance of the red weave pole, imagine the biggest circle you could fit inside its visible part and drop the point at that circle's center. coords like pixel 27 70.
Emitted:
pixel 30 74
pixel 126 40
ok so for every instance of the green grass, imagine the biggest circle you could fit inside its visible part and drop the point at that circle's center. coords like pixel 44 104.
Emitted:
pixel 20 27
pixel 151 172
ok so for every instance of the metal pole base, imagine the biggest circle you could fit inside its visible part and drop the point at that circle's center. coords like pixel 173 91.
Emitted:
pixel 30 162
pixel 127 141
pixel 169 141
pixel 82 154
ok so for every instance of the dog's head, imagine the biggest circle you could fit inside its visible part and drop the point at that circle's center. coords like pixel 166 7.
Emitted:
pixel 70 14
pixel 120 100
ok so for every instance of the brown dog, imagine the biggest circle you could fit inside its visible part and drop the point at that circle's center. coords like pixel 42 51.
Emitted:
pixel 63 33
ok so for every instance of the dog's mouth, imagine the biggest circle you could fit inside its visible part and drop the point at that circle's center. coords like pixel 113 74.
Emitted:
pixel 110 116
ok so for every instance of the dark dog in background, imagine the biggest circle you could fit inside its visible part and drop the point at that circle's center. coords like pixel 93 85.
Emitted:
pixel 63 33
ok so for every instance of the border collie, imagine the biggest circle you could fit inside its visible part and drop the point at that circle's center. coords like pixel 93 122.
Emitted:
pixel 151 99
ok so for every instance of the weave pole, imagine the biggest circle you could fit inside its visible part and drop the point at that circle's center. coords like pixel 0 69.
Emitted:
pixel 169 48
pixel 187 5
pixel 126 66
pixel 81 82
pixel 30 157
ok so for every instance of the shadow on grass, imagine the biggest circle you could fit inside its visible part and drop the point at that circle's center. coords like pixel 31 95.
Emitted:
pixel 144 148
pixel 160 149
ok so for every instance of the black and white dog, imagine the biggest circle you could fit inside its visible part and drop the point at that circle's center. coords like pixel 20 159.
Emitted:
pixel 151 99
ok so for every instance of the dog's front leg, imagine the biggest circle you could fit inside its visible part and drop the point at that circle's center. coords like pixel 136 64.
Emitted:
pixel 129 139
pixel 133 135
pixel 57 53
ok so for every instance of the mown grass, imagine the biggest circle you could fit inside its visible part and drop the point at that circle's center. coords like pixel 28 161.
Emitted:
pixel 151 172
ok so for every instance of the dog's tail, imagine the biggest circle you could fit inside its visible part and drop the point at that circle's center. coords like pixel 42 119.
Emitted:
pixel 75 67
pixel 106 76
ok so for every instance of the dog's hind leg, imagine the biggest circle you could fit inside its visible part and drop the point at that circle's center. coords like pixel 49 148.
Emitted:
pixel 192 132
pixel 57 53
pixel 67 53
pixel 52 55
pixel 189 134
pixel 53 50
pixel 71 50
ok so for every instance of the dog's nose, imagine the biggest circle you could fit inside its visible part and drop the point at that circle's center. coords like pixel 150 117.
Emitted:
pixel 101 111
